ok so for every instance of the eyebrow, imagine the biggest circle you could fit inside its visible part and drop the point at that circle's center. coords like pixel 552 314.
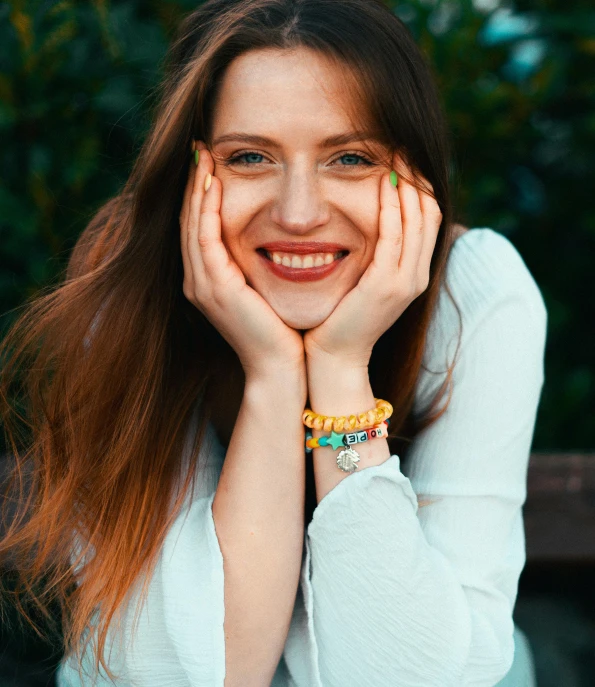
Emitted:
pixel 328 142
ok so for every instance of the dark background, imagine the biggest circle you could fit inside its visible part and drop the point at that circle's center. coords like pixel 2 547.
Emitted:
pixel 518 83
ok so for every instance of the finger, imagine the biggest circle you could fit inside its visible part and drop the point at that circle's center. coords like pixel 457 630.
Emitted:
pixel 412 220
pixel 214 255
pixel 188 188
pixel 432 222
pixel 390 230
pixel 205 166
pixel 184 217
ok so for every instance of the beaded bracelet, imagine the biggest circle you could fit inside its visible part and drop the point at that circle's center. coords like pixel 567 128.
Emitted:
pixel 348 458
pixel 381 412
pixel 336 440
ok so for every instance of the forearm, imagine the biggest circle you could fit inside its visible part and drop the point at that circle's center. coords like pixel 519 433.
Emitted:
pixel 258 511
pixel 336 389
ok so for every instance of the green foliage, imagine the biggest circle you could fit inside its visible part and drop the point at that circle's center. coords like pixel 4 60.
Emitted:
pixel 76 90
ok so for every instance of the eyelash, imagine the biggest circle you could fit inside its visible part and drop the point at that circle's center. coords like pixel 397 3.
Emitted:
pixel 235 159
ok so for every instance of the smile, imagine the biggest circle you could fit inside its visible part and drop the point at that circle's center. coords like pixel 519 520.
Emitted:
pixel 309 267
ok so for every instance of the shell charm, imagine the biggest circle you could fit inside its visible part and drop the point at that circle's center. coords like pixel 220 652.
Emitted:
pixel 348 459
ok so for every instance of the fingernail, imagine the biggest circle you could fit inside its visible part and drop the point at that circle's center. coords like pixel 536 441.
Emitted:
pixel 393 178
pixel 196 157
pixel 207 181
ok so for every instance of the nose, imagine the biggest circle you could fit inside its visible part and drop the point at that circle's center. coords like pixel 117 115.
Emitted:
pixel 300 206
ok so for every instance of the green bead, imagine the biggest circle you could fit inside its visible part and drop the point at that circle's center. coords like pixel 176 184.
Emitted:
pixel 393 178
pixel 335 440
pixel 323 441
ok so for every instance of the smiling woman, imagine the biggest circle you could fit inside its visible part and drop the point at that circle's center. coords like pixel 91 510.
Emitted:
pixel 301 270
pixel 297 183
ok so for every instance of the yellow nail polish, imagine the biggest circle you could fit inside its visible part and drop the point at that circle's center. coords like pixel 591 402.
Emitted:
pixel 207 182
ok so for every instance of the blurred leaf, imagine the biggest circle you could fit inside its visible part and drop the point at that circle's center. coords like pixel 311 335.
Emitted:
pixel 76 84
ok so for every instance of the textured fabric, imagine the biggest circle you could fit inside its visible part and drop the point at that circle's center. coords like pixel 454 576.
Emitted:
pixel 522 672
pixel 391 595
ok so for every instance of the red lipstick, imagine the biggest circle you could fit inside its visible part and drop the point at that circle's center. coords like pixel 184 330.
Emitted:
pixel 301 273
pixel 303 247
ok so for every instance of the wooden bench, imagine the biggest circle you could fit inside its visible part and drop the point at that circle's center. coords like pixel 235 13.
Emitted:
pixel 559 512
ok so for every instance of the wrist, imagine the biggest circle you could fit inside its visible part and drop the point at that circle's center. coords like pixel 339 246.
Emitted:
pixel 278 385
pixel 336 389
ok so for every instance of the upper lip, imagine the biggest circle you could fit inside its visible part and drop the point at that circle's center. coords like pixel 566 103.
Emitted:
pixel 303 247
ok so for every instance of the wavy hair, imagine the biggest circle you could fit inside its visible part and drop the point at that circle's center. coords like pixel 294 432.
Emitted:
pixel 103 372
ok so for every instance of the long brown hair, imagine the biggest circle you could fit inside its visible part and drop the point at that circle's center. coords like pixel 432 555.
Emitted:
pixel 101 374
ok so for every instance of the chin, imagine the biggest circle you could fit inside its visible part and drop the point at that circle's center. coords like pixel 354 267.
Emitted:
pixel 303 317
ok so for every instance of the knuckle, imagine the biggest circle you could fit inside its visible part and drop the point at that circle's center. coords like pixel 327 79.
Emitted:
pixel 203 241
pixel 423 285
pixel 408 290
pixel 188 292
pixel 394 201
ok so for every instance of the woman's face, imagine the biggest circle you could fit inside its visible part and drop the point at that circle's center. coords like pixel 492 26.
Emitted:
pixel 294 186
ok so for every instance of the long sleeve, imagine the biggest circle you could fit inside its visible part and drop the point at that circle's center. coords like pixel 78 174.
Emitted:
pixel 400 596
pixel 178 638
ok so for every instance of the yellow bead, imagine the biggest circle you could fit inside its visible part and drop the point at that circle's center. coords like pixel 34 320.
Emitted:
pixel 339 424
pixel 328 424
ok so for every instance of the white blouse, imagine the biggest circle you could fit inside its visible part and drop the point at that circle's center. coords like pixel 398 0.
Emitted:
pixel 391 595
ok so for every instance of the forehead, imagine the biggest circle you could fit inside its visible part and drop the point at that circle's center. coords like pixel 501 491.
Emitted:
pixel 297 90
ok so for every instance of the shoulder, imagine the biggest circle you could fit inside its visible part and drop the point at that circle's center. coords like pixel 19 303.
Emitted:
pixel 484 269
pixel 488 280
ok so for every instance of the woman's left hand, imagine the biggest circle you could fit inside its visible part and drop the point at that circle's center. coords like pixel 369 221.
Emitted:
pixel 399 272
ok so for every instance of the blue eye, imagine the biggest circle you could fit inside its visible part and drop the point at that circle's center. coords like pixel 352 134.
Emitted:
pixel 247 159
pixel 237 159
pixel 353 156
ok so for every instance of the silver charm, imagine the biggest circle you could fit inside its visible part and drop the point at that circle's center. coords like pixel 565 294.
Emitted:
pixel 348 459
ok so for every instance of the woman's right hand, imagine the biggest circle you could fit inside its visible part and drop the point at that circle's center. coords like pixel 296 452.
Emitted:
pixel 214 283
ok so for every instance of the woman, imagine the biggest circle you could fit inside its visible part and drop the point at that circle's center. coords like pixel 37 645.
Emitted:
pixel 305 261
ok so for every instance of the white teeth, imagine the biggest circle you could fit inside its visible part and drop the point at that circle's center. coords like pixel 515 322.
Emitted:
pixel 303 261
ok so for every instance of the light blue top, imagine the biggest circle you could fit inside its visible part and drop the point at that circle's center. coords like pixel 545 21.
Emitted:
pixel 391 595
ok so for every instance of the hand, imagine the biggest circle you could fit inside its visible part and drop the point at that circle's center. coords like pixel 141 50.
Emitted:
pixel 214 283
pixel 399 272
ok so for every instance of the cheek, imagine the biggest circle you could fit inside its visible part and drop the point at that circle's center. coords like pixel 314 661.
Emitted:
pixel 361 206
pixel 237 210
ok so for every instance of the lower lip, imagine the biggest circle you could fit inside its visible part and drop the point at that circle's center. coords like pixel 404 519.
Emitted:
pixel 302 273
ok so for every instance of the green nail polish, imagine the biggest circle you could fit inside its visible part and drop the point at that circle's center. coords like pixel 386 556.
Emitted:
pixel 196 156
pixel 393 178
